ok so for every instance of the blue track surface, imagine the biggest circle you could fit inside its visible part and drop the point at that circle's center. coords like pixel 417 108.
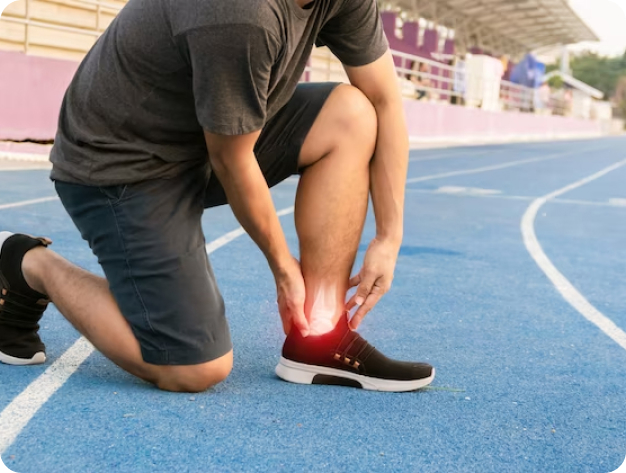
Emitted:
pixel 524 382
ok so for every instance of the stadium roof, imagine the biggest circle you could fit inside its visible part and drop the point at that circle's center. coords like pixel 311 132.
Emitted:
pixel 508 26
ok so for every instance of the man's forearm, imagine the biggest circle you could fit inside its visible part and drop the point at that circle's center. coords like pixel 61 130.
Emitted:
pixel 389 170
pixel 251 201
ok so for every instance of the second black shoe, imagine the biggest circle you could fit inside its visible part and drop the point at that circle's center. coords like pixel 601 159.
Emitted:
pixel 21 307
pixel 343 357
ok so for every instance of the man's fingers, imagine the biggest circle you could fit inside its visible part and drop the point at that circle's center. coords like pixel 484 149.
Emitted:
pixel 287 326
pixel 301 323
pixel 355 281
pixel 351 302
pixel 364 289
pixel 360 314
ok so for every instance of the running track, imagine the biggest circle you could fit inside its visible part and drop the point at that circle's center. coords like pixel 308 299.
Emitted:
pixel 510 281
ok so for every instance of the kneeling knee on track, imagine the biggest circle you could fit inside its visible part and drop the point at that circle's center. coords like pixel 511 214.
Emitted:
pixel 195 379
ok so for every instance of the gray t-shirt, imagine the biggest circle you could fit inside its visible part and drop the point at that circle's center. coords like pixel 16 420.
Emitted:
pixel 167 69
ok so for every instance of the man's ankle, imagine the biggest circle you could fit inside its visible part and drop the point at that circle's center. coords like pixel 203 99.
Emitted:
pixel 32 268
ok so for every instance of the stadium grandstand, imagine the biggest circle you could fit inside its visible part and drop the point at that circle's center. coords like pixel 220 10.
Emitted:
pixel 476 54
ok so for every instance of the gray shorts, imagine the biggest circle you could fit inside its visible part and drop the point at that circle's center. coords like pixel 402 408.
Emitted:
pixel 149 241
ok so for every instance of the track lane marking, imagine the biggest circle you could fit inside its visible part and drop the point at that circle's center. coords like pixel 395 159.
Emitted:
pixel 561 283
pixel 454 154
pixel 230 236
pixel 20 407
pixel 28 202
pixel 295 179
pixel 517 197
pixel 16 416
pixel 475 150
pixel 494 167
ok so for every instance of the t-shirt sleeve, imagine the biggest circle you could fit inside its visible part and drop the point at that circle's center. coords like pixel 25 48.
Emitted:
pixel 355 33
pixel 231 70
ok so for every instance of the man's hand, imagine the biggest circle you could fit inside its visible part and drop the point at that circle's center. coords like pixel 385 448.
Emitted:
pixel 235 165
pixel 291 294
pixel 374 279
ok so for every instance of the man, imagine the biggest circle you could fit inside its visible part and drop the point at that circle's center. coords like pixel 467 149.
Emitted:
pixel 167 82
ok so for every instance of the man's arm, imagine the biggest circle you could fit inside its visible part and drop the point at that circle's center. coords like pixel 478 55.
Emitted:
pixel 235 165
pixel 378 81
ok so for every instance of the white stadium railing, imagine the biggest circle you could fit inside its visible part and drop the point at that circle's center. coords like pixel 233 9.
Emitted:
pixel 83 21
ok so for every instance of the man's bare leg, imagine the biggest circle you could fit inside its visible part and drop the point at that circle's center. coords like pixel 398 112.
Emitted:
pixel 330 212
pixel 331 202
pixel 86 302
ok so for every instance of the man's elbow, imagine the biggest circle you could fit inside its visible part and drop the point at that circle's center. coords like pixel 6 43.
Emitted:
pixel 226 152
pixel 219 163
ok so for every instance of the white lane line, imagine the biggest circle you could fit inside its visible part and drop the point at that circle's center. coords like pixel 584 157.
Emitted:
pixel 24 168
pixel 515 197
pixel 28 202
pixel 29 157
pixel 488 196
pixel 456 154
pixel 489 168
pixel 587 202
pixel 567 290
pixel 230 236
pixel 481 150
pixel 23 408
pixel 456 190
pixel 294 180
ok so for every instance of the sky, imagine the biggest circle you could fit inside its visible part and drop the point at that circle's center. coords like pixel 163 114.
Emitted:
pixel 607 18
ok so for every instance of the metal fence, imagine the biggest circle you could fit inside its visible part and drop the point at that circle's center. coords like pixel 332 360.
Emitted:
pixel 81 24
pixel 429 80
pixel 420 78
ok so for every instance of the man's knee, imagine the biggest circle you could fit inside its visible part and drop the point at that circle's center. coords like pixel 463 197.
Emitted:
pixel 195 378
pixel 356 116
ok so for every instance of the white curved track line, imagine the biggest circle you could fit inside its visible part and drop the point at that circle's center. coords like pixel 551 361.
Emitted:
pixel 28 202
pixel 567 290
pixel 491 168
pixel 621 469
pixel 23 408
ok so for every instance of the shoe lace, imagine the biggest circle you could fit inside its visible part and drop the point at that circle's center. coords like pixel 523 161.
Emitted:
pixel 360 348
pixel 20 310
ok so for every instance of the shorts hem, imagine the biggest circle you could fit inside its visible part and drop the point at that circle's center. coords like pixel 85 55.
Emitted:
pixel 186 356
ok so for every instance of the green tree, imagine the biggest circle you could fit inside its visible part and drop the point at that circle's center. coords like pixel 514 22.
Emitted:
pixel 602 73
pixel 620 97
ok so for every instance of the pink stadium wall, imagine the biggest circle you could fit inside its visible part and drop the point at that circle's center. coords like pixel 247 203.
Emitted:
pixel 31 91
pixel 32 88
pixel 431 122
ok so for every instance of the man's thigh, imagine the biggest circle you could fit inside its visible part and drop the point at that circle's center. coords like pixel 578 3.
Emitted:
pixel 278 147
pixel 149 241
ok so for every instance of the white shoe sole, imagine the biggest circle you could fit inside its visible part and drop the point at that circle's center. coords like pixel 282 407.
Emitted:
pixel 300 373
pixel 37 359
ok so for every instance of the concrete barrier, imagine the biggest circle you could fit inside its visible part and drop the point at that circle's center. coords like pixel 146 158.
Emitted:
pixel 31 92
pixel 435 122
pixel 32 89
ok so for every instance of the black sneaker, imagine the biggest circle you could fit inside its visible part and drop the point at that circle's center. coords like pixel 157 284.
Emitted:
pixel 343 357
pixel 21 307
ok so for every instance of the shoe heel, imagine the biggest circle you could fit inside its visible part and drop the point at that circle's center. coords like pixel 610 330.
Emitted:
pixel 293 375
